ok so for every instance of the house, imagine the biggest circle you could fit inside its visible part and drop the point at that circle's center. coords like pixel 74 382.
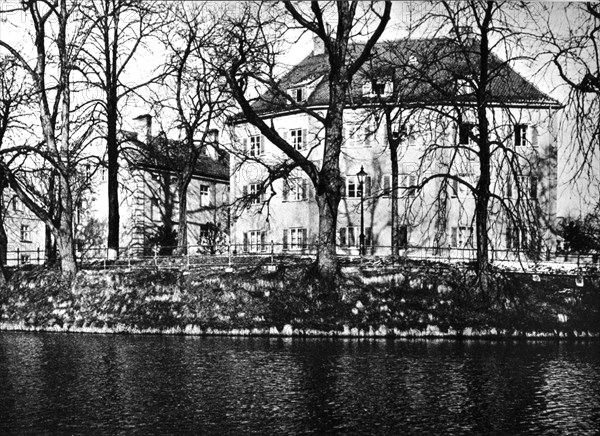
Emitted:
pixel 148 195
pixel 25 232
pixel 438 138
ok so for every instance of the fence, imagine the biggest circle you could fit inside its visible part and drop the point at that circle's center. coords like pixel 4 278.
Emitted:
pixel 230 255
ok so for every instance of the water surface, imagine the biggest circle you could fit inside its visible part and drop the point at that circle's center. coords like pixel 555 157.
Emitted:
pixel 96 384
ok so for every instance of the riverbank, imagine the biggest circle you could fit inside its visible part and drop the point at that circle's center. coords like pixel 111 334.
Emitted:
pixel 411 299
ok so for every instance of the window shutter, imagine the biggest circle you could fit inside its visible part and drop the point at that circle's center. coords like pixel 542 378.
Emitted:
pixel 386 182
pixel 286 190
pixel 285 135
pixel 245 242
pixel 304 189
pixel 367 186
pixel 454 237
pixel 310 192
pixel 533 186
pixel 534 136
pixel 304 239
pixel 244 190
pixel 366 89
pixel 343 186
pixel 262 144
pixel 285 239
pixel 245 146
pixel 368 237
pixel 343 236
pixel 304 138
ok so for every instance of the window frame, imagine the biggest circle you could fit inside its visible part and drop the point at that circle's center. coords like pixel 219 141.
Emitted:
pixel 204 193
pixel 25 233
pixel 520 135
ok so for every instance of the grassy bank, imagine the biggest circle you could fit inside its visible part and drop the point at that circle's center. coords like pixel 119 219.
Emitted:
pixel 413 299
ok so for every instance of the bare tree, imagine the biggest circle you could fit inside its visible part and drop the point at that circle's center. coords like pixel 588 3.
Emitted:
pixel 56 47
pixel 119 32
pixel 192 93
pixel 574 51
pixel 252 59
pixel 478 92
pixel 15 99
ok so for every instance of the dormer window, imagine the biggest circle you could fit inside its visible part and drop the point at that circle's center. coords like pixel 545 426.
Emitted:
pixel 463 87
pixel 298 94
pixel 380 87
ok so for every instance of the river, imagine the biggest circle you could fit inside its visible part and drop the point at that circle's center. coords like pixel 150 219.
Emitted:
pixel 97 384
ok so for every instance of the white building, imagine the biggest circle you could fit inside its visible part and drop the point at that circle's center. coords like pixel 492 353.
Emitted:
pixel 439 138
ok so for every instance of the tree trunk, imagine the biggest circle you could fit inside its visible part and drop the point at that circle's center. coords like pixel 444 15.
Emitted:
pixel 394 196
pixel 182 230
pixel 3 251
pixel 66 247
pixel 112 151
pixel 326 241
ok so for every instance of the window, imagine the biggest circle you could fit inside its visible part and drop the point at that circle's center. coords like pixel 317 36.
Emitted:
pixel 516 239
pixel 254 191
pixel 256 142
pixel 255 241
pixel 295 189
pixel 298 137
pixel 407 183
pixel 380 87
pixel 465 133
pixel 350 237
pixel 520 135
pixel 295 239
pixel 461 237
pixel 298 94
pixel 463 87
pixel 526 186
pixel 25 233
pixel 459 190
pixel 399 132
pixel 352 187
pixel 17 205
pixel 254 145
pixel 204 195
pixel 367 89
pixel 403 232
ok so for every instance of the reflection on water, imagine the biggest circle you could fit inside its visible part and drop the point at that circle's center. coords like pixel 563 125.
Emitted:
pixel 86 384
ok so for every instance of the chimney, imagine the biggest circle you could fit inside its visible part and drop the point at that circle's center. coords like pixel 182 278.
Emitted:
pixel 143 127
pixel 318 43
pixel 464 31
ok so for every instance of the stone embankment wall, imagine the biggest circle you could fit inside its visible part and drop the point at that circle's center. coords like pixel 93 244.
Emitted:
pixel 409 300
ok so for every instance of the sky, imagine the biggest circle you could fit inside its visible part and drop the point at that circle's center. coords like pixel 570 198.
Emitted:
pixel 571 196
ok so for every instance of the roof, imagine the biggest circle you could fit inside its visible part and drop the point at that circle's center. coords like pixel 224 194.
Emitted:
pixel 168 155
pixel 422 71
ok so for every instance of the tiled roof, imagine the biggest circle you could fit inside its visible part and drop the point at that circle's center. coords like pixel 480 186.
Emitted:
pixel 149 156
pixel 411 64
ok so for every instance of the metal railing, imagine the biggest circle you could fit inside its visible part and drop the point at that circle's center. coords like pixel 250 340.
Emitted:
pixel 230 255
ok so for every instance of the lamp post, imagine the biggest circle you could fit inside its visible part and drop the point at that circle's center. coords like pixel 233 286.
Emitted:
pixel 361 175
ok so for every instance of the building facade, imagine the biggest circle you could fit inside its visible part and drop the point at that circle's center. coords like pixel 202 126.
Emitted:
pixel 25 233
pixel 437 162
pixel 149 203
